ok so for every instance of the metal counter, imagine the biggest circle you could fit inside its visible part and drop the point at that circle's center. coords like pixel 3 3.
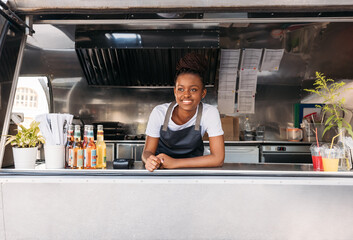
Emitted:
pixel 227 170
pixel 236 201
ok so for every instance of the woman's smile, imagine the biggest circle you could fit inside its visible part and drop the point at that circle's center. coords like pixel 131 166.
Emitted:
pixel 187 101
pixel 189 91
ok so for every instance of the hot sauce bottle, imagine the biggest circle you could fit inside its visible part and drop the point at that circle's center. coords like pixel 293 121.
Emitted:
pixel 77 149
pixel 90 150
pixel 69 144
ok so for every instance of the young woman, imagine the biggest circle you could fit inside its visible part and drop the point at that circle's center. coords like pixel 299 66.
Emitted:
pixel 175 130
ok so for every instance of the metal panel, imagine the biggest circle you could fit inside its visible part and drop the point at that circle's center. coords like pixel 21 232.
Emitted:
pixel 239 154
pixel 176 38
pixel 183 208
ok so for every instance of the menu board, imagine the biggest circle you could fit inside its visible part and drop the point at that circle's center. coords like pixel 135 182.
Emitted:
pixel 250 58
pixel 271 59
pixel 226 102
pixel 228 74
pixel 248 80
pixel 246 101
pixel 230 58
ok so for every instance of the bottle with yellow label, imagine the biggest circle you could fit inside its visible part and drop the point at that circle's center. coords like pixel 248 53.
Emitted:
pixel 77 149
pixel 101 149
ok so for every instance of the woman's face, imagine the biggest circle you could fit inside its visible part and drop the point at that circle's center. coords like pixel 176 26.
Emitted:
pixel 189 91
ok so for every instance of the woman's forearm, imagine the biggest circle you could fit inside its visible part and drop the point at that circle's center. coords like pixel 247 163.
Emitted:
pixel 211 160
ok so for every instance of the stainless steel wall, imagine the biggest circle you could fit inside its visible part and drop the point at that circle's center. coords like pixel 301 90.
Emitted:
pixel 309 47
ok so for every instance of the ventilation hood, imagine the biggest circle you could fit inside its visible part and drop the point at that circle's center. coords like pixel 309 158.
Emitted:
pixel 142 58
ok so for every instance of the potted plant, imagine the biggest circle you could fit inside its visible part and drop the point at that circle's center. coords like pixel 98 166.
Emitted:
pixel 327 89
pixel 25 145
pixel 333 107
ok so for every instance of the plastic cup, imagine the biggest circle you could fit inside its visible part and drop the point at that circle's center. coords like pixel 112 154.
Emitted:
pixel 330 159
pixel 330 164
pixel 316 157
pixel 54 156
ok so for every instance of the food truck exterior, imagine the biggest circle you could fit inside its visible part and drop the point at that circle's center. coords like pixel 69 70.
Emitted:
pixel 111 62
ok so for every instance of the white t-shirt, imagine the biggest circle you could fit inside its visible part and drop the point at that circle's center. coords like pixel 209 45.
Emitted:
pixel 210 121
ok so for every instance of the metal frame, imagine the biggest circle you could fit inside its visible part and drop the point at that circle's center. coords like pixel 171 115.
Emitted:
pixel 3 35
pixel 161 22
pixel 13 18
pixel 11 99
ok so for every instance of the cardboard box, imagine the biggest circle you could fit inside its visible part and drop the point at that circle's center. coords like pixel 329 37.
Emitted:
pixel 230 126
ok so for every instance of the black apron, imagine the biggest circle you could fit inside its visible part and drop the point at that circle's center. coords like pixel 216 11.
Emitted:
pixel 185 143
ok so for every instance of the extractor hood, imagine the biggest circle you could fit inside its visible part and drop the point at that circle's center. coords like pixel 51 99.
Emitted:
pixel 144 58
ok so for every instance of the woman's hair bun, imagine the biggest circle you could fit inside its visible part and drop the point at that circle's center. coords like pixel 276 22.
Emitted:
pixel 193 62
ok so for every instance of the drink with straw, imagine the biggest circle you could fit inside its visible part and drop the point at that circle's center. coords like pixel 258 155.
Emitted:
pixel 316 157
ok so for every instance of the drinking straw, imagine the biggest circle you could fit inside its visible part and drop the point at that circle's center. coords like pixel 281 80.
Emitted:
pixel 317 141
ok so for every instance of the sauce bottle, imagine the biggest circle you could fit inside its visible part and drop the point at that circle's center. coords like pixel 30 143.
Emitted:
pixel 77 149
pixel 68 147
pixel 101 149
pixel 90 150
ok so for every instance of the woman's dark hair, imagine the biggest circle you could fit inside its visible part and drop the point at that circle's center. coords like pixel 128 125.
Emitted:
pixel 192 63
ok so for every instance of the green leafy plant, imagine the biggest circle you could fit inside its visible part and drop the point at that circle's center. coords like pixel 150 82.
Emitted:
pixel 26 137
pixel 333 106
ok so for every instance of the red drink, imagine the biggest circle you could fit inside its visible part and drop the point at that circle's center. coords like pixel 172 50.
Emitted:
pixel 317 163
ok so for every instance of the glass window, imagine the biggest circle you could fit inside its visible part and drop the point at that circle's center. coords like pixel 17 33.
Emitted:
pixel 32 96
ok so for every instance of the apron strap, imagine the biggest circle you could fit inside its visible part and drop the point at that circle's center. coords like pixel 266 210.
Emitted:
pixel 169 112
pixel 167 116
pixel 198 117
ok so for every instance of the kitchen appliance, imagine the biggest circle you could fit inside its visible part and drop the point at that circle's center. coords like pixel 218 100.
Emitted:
pixel 286 153
pixel 129 150
pixel 118 131
pixel 239 154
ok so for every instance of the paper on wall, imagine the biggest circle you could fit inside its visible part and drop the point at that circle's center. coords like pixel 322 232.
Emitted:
pixel 250 58
pixel 246 101
pixel 226 102
pixel 248 80
pixel 227 79
pixel 230 58
pixel 271 59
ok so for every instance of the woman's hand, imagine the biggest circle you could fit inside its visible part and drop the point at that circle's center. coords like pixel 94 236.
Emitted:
pixel 167 161
pixel 152 163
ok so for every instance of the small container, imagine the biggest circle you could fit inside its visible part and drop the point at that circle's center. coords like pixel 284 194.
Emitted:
pixel 294 134
pixel 54 156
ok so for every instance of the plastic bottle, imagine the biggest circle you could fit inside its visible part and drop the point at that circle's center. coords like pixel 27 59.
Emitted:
pixel 247 126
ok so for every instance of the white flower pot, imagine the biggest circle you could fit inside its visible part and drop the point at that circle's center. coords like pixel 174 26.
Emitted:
pixel 25 158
